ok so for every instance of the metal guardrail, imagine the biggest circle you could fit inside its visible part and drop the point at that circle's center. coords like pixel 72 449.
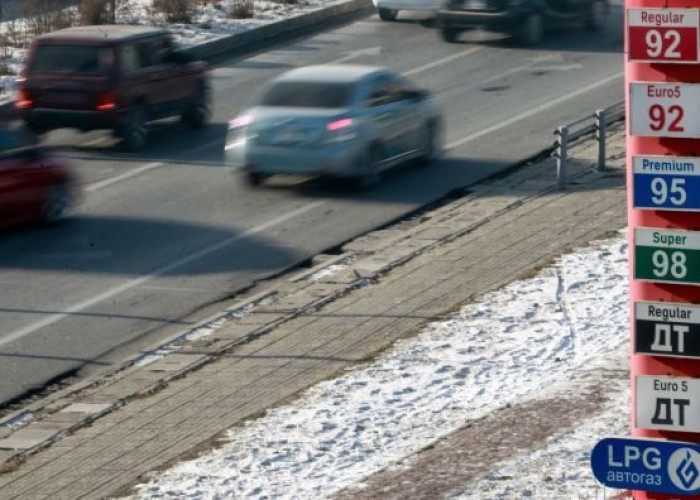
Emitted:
pixel 596 122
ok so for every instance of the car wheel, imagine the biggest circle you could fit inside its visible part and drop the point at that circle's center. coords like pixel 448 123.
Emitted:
pixel 371 172
pixel 597 16
pixel 56 204
pixel 134 129
pixel 255 179
pixel 431 144
pixel 35 130
pixel 449 34
pixel 387 14
pixel 532 30
pixel 196 114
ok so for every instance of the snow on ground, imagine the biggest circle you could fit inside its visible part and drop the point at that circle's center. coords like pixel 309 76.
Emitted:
pixel 529 337
pixel 207 23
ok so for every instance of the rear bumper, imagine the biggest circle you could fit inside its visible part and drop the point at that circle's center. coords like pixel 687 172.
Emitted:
pixel 337 160
pixel 505 21
pixel 45 118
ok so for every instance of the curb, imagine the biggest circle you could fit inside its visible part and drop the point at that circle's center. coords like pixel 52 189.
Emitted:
pixel 247 40
pixel 286 27
pixel 363 261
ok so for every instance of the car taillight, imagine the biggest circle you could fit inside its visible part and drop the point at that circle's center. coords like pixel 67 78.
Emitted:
pixel 24 99
pixel 341 130
pixel 106 102
pixel 240 121
pixel 339 124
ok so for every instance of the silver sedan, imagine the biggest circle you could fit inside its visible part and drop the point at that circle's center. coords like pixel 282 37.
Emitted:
pixel 341 120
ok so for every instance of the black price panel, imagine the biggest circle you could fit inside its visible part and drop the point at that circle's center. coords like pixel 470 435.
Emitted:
pixel 667 329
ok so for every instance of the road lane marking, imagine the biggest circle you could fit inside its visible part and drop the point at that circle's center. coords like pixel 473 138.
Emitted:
pixel 444 60
pixel 370 51
pixel 131 173
pixel 532 111
pixel 80 306
pixel 95 186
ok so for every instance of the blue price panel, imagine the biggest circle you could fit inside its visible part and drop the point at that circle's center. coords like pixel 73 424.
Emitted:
pixel 666 183
pixel 647 465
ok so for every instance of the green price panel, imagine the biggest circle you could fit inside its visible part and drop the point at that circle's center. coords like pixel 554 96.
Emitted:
pixel 667 256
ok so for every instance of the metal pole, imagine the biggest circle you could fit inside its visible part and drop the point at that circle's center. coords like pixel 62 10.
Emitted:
pixel 562 143
pixel 600 132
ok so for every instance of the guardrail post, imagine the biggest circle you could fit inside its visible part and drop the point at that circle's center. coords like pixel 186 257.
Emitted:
pixel 560 152
pixel 600 131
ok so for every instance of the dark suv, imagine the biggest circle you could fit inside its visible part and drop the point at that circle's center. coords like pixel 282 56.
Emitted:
pixel 110 77
pixel 526 19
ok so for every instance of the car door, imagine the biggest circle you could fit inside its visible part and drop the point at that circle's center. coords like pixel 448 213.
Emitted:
pixel 411 111
pixel 567 9
pixel 159 78
pixel 22 181
pixel 385 112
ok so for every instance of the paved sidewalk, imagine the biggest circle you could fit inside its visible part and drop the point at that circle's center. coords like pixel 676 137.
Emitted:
pixel 306 330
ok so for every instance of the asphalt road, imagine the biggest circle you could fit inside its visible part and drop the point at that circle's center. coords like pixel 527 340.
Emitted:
pixel 161 237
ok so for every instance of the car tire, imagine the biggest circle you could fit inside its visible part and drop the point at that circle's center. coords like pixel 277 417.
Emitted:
pixel 532 30
pixel 598 16
pixel 134 129
pixel 196 114
pixel 371 172
pixel 388 14
pixel 255 179
pixel 35 130
pixel 431 144
pixel 56 205
pixel 449 34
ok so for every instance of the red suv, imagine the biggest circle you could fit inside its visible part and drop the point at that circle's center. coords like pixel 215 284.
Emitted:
pixel 111 77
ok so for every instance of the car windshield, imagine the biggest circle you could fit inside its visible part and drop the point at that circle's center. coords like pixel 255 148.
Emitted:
pixel 81 59
pixel 308 94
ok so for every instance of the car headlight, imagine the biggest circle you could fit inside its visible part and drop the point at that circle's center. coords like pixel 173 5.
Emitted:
pixel 342 130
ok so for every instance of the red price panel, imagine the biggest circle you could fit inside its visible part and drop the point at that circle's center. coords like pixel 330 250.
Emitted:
pixel 665 109
pixel 664 35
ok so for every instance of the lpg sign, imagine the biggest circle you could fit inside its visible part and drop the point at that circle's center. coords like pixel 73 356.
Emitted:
pixel 647 464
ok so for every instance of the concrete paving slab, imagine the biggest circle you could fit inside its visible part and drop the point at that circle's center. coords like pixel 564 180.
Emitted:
pixel 27 438
pixel 88 408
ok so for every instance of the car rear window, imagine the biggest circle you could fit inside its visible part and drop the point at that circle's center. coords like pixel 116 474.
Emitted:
pixel 308 94
pixel 77 59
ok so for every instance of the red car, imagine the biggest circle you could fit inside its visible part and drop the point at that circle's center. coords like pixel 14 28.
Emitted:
pixel 36 184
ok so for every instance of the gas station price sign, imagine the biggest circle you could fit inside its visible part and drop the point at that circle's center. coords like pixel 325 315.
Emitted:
pixel 659 109
pixel 667 329
pixel 664 35
pixel 667 256
pixel 666 183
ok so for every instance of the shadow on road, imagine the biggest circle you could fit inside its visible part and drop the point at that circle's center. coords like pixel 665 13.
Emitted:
pixel 138 247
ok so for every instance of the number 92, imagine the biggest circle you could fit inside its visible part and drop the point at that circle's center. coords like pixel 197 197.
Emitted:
pixel 660 117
